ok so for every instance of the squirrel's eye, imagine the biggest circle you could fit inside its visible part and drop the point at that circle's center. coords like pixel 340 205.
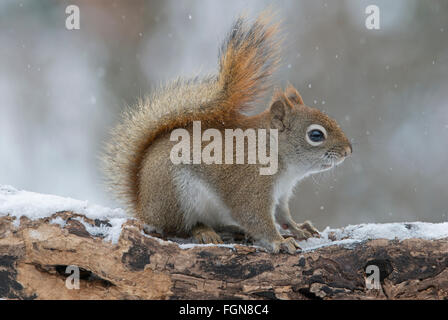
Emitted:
pixel 316 134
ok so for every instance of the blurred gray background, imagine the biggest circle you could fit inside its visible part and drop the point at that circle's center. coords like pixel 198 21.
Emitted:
pixel 61 91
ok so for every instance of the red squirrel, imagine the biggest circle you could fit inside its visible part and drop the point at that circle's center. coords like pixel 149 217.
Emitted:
pixel 193 199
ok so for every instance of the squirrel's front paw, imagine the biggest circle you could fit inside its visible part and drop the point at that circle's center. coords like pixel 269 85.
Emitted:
pixel 308 226
pixel 304 231
pixel 288 245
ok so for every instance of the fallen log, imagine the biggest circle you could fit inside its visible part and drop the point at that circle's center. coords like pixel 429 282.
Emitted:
pixel 38 258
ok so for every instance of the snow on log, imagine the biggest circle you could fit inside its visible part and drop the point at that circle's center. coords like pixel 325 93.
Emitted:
pixel 43 238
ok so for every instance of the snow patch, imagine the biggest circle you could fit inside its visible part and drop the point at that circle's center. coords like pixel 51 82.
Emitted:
pixel 353 234
pixel 58 220
pixel 194 245
pixel 18 203
pixel 110 232
pixel 188 243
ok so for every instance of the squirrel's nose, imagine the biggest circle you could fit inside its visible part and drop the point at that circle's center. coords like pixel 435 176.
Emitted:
pixel 348 150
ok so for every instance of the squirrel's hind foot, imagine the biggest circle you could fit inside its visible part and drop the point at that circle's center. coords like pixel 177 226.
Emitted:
pixel 205 234
pixel 303 231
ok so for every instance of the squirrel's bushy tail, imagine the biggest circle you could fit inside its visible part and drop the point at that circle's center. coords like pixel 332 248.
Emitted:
pixel 247 58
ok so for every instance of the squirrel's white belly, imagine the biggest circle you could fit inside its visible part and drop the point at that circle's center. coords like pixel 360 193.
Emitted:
pixel 284 186
pixel 199 202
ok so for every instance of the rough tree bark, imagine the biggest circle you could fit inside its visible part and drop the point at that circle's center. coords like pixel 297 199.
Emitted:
pixel 34 257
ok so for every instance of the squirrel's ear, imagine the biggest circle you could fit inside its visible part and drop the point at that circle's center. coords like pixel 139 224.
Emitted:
pixel 278 113
pixel 294 95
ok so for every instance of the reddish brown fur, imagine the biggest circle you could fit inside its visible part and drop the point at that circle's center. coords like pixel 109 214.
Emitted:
pixel 248 58
pixel 186 199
